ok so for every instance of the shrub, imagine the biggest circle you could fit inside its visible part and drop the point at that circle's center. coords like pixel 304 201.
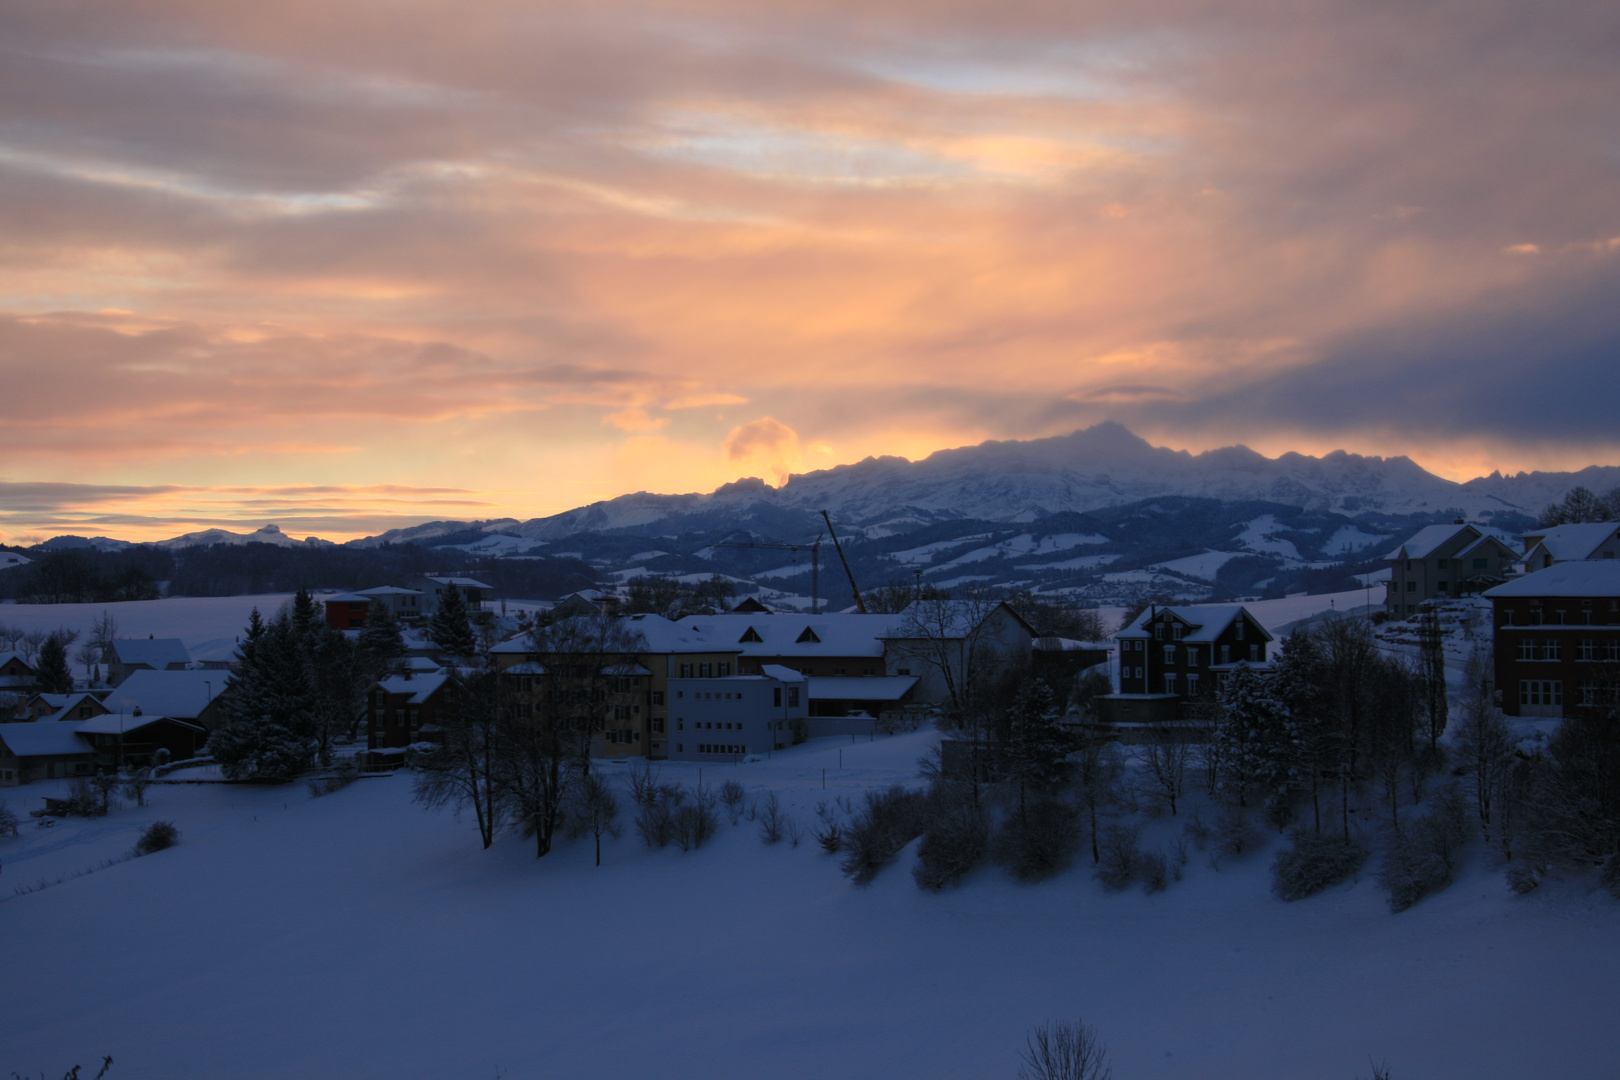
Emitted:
pixel 1236 832
pixel 1424 859
pixel 957 838
pixel 1152 869
pixel 1039 842
pixel 655 821
pixel 84 800
pixel 1198 832
pixel 1119 850
pixel 8 821
pixel 1314 862
pixel 696 822
pixel 732 794
pixel 158 835
pixel 1064 1052
pixel 830 818
pixel 1523 878
pixel 345 774
pixel 772 819
pixel 888 821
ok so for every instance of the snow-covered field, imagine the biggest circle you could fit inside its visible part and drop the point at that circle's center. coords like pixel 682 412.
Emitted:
pixel 206 624
pixel 358 936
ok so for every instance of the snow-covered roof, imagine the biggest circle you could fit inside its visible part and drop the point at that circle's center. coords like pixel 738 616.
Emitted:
pixel 956 618
pixel 179 694
pixel 1568 542
pixel 1206 621
pixel 792 634
pixel 1486 540
pixel 1429 539
pixel 345 598
pixel 387 590
pixel 461 582
pixel 419 688
pixel 781 674
pixel 1063 644
pixel 659 634
pixel 42 740
pixel 1580 577
pixel 528 667
pixel 860 688
pixel 66 704
pixel 113 723
pixel 153 652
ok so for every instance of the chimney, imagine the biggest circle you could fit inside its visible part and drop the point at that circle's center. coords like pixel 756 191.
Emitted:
pixel 1459 521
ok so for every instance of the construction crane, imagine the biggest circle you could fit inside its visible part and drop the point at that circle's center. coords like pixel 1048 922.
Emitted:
pixel 815 561
pixel 854 588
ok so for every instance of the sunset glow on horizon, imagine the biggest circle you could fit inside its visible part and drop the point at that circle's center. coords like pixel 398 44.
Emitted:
pixel 350 266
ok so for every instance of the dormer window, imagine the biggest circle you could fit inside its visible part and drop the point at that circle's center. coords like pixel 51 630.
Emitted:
pixel 1238 631
pixel 809 635
pixel 752 635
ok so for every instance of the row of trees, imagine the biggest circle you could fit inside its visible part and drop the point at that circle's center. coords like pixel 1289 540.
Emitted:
pixel 298 684
pixel 1581 504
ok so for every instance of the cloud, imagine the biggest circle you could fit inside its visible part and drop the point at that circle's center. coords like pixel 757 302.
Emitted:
pixel 766 445
pixel 477 246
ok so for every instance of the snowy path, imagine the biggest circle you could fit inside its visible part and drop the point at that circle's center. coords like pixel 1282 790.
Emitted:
pixel 358 936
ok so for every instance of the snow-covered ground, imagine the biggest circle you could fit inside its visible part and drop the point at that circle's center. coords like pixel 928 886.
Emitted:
pixel 206 624
pixel 358 936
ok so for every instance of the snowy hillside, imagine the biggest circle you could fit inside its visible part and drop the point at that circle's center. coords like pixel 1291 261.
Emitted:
pixel 269 534
pixel 358 936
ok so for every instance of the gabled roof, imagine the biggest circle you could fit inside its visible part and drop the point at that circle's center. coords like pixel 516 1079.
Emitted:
pixel 1489 539
pixel 69 704
pixel 419 689
pixel 781 674
pixel 387 590
pixel 182 695
pixel 1431 538
pixel 1578 578
pixel 157 653
pixel 1568 542
pixel 42 740
pixel 462 582
pixel 9 656
pixel 954 617
pixel 1206 621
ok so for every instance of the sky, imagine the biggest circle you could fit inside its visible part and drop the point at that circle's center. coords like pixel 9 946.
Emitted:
pixel 347 265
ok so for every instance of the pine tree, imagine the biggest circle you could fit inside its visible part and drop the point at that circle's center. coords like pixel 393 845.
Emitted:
pixel 52 670
pixel 269 706
pixel 304 618
pixel 450 629
pixel 1296 760
pixel 1249 719
pixel 1433 666
pixel 1037 748
pixel 381 645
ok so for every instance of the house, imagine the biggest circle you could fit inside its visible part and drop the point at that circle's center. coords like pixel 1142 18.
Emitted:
pixel 1557 637
pixel 835 645
pixel 61 708
pixel 125 656
pixel 1170 657
pixel 630 691
pixel 1061 661
pixel 736 715
pixel 949 643
pixel 192 696
pixel 121 739
pixel 17 675
pixel 1568 543
pixel 349 611
pixel 586 602
pixel 1440 562
pixel 404 709
pixel 473 591
pixel 42 752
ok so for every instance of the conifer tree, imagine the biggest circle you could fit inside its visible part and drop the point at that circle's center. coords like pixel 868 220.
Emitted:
pixel 1037 748
pixel 381 644
pixel 1249 719
pixel 269 706
pixel 450 629
pixel 1296 761
pixel 52 668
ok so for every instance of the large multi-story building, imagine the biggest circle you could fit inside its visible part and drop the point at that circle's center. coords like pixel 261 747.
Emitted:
pixel 1442 562
pixel 1557 638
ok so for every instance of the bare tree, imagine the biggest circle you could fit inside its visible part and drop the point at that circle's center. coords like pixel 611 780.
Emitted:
pixel 952 638
pixel 89 656
pixel 587 658
pixel 1065 1051
pixel 103 632
pixel 465 769
pixel 593 811
pixel 1433 668
pixel 1097 769
pixel 1165 761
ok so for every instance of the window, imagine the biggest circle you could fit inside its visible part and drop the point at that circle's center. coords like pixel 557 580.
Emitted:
pixel 1479 564
pixel 1192 657
pixel 776 696
pixel 658 725
pixel 1411 586
pixel 1169 682
pixel 1226 654
pixel 657 697
pixel 722 670
pixel 686 671
pixel 1238 630
pixel 903 671
pixel 1192 685
pixel 1254 654
pixel 1169 654
pixel 703 670
pixel 1541 692
pixel 680 724
pixel 1442 586
pixel 1586 651
pixel 680 748
pixel 793 697
pixel 1441 563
